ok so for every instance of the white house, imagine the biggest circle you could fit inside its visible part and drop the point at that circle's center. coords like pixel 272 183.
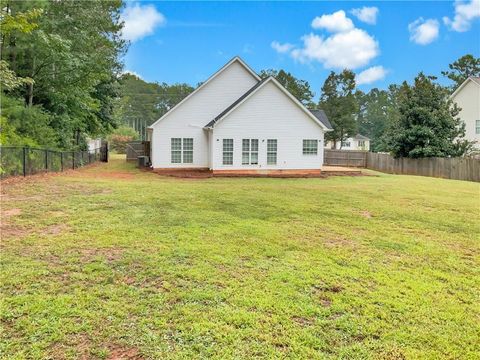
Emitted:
pixel 357 142
pixel 237 122
pixel 467 97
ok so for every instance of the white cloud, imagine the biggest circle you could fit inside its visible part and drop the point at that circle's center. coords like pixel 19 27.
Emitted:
pixel 281 48
pixel 465 13
pixel 140 21
pixel 423 32
pixel 131 72
pixel 336 22
pixel 351 49
pixel 371 75
pixel 366 14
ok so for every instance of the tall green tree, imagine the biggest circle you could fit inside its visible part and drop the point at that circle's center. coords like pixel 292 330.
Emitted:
pixel 297 87
pixel 461 69
pixel 427 125
pixel 73 58
pixel 376 109
pixel 339 103
pixel 141 103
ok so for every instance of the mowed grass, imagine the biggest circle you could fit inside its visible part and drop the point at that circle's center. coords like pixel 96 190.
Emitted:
pixel 113 262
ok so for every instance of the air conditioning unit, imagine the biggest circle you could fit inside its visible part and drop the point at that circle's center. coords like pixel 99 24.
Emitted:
pixel 143 161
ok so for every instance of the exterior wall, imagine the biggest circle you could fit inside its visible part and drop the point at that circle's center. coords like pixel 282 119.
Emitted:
pixel 188 120
pixel 268 114
pixel 468 99
pixel 353 145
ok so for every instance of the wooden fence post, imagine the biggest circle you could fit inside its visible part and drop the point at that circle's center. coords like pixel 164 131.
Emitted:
pixel 24 161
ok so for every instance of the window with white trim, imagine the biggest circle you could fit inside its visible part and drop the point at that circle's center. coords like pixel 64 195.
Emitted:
pixel 477 126
pixel 249 151
pixel 181 150
pixel 310 147
pixel 271 151
pixel 361 143
pixel 345 143
pixel 227 151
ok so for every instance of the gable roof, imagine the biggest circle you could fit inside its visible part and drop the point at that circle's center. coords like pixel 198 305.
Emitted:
pixel 235 103
pixel 252 91
pixel 475 80
pixel 320 115
pixel 360 137
pixel 235 59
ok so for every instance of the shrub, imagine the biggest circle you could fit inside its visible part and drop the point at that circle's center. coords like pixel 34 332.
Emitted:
pixel 120 137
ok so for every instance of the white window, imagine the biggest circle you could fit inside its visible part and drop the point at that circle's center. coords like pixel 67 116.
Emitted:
pixel 477 126
pixel 310 147
pixel 361 143
pixel 272 152
pixel 227 151
pixel 181 149
pixel 345 143
pixel 176 150
pixel 188 151
pixel 249 151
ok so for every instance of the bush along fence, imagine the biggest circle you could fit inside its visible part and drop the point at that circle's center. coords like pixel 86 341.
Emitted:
pixel 24 161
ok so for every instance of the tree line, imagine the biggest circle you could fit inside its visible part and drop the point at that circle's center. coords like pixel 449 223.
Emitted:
pixel 59 67
pixel 62 81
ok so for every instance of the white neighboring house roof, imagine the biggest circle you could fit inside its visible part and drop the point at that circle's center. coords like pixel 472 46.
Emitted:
pixel 475 80
pixel 251 92
pixel 235 59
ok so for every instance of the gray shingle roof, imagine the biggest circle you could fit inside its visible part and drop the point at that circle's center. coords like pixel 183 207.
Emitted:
pixel 224 112
pixel 322 117
pixel 360 137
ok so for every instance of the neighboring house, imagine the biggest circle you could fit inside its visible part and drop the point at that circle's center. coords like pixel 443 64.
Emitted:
pixel 94 144
pixel 358 142
pixel 237 122
pixel 467 97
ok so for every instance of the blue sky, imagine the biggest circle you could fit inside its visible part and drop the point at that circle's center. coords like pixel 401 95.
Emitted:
pixel 383 42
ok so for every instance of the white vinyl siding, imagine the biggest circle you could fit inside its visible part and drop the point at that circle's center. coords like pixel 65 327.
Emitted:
pixel 191 116
pixel 272 152
pixel 310 147
pixel 227 151
pixel 181 150
pixel 281 120
pixel 250 152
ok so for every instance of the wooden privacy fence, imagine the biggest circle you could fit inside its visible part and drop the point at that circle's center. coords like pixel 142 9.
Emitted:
pixel 134 149
pixel 448 168
pixel 345 158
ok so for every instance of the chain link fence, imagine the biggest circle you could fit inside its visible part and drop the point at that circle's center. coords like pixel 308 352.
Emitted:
pixel 24 161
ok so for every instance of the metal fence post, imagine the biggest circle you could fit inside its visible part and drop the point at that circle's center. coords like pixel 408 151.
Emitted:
pixel 46 160
pixel 61 161
pixel 24 161
pixel 73 160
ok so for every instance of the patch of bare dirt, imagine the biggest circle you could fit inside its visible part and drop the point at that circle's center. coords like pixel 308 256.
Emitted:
pixel 54 229
pixel 337 241
pixel 111 175
pixel 13 231
pixel 110 254
pixel 11 212
pixel 303 321
pixel 123 353
pixel 366 214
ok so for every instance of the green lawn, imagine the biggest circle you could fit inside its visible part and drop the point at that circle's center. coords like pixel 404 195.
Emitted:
pixel 113 262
